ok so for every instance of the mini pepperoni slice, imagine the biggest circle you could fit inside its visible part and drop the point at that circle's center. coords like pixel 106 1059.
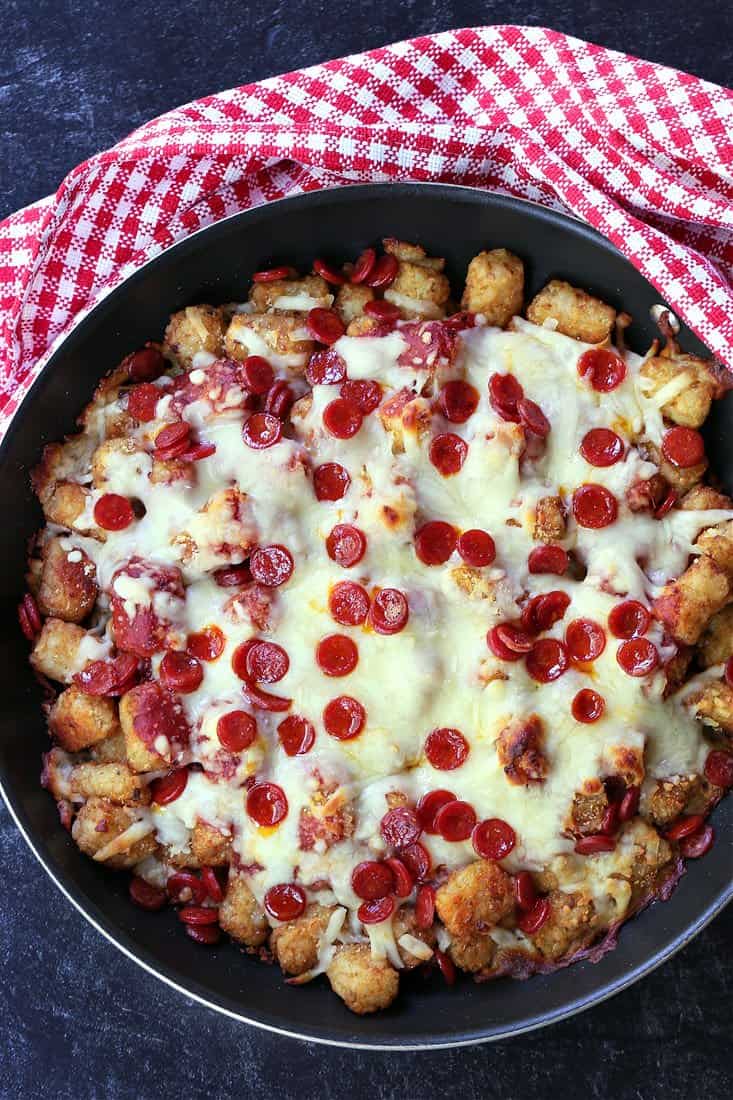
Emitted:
pixel 400 827
pixel 29 617
pixel 594 506
pixel 532 417
pixel 547 661
pixel 435 542
pixel 458 401
pixel 273 274
pixel 185 886
pixel 728 672
pixel 330 481
pixel 548 559
pixel 112 677
pixel 198 452
pixel 374 912
pixel 267 804
pixel 585 640
pixel 683 447
pixel 456 820
pixel 348 603
pixel 543 611
pixel 145 365
pixel 389 611
pixel 207 935
pixel 476 547
pixel 601 447
pixel 344 718
pixel 696 845
pixel 403 880
pixel 497 646
pixel 512 637
pixel 448 453
pixel 446 749
pixel 629 619
pixel 685 826
pixel 297 735
pixel 257 373
pixel 493 838
pixel 342 418
pixel 326 368
pixel 362 392
pixel 719 768
pixel 525 891
pixel 231 576
pixel 198 915
pixel 372 879
pixel 207 644
pixel 416 858
pixel 271 565
pixel 264 700
pixel 425 907
pixel 181 672
pixel 628 807
pixel 383 311
pixel 212 884
pixel 279 399
pixel 337 655
pixel 113 512
pixel 236 730
pixel 286 901
pixel 172 440
pixel 266 662
pixel 505 393
pixel 328 272
pixel 446 966
pixel 667 504
pixel 532 920
pixel 637 657
pixel 364 266
pixel 383 274
pixel 169 787
pixel 146 895
pixel 346 545
pixel 587 706
pixel 603 370
pixel 142 401
pixel 597 842
pixel 262 430
pixel 428 807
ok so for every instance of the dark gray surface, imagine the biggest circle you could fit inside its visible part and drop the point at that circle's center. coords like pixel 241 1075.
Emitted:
pixel 78 1019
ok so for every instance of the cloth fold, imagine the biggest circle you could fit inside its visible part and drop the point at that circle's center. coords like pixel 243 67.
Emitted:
pixel 642 152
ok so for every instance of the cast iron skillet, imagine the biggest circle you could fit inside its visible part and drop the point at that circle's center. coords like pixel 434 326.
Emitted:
pixel 214 266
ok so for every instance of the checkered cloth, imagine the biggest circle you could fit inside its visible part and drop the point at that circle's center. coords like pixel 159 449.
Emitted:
pixel 641 152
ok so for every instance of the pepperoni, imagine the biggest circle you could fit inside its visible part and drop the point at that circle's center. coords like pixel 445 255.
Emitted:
pixel 667 504
pixel 525 892
pixel 456 820
pixel 266 662
pixel 330 481
pixel 505 392
pixel 692 847
pixel 272 565
pixel 610 822
pixel 683 447
pixel 514 638
pixel 598 842
pixel 448 453
pixel 198 915
pixel 297 735
pixel 257 373
pixel 371 880
pixel 719 768
pixel 328 272
pixel 543 611
pixel 344 718
pixel 110 678
pixel 458 401
pixel 364 266
pixel 113 512
pixel 362 392
pixel 416 858
pixel 547 661
pixel 400 827
pixel 493 838
pixel 267 804
pixel 207 644
pixel 185 883
pixel 389 611
pixel 601 447
pixel 326 368
pixel 172 441
pixel 236 730
pixel 286 901
pixel 428 807
pixel 435 542
pixel 383 311
pixel 146 895
pixel 532 920
pixel 346 545
pixel 637 657
pixel 685 826
pixel 142 401
pixel 279 400
pixel 181 672
pixel 207 935
pixel 199 451
pixel 476 547
pixel 264 700
pixel 629 619
pixel 497 646
pixel 337 655
pixel 383 273
pixel 273 274
pixel 629 804
pixel 594 506
pixel 231 576
pixel 169 787
pixel 145 365
pixel 585 640
pixel 446 966
pixel 29 617
pixel 532 417
pixel 548 559
pixel 728 672
pixel 446 749
pixel 342 418
pixel 603 369
pixel 374 912
pixel 262 430
pixel 349 603
pixel 425 907
pixel 403 880
pixel 587 706
pixel 212 884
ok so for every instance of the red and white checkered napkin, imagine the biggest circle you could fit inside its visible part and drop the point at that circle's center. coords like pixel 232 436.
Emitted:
pixel 643 153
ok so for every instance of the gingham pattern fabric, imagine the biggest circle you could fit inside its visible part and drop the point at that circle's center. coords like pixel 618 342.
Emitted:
pixel 641 152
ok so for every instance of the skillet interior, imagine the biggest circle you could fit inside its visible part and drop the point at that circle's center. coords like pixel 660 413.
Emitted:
pixel 214 265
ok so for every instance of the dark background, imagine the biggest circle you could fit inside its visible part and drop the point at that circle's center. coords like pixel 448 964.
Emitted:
pixel 77 1019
